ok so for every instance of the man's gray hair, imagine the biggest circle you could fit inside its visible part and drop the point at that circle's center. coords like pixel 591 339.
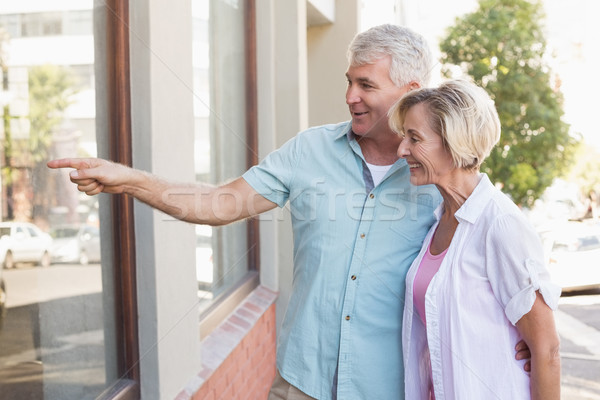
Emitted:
pixel 411 58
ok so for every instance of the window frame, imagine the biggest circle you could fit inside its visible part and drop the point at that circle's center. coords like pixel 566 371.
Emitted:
pixel 223 305
pixel 120 140
pixel 123 228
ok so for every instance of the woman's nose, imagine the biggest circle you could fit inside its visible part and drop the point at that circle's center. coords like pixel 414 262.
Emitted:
pixel 402 149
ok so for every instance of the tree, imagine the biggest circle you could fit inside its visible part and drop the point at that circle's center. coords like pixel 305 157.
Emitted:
pixel 586 170
pixel 50 93
pixel 501 46
pixel 6 174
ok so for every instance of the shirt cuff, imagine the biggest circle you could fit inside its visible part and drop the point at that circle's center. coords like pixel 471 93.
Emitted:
pixel 523 301
pixel 263 189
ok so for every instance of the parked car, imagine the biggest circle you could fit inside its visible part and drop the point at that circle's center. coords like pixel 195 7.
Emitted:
pixel 22 242
pixel 76 244
pixel 574 257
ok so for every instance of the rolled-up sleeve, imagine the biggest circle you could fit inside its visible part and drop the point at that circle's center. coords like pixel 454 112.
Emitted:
pixel 272 177
pixel 516 266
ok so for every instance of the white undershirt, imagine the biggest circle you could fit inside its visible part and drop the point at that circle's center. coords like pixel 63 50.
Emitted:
pixel 378 172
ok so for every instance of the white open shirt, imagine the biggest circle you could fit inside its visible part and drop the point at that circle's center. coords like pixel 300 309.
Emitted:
pixel 485 284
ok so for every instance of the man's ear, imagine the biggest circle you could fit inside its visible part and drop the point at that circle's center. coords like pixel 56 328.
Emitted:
pixel 413 85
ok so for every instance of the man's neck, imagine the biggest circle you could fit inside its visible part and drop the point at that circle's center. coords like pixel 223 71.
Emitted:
pixel 379 152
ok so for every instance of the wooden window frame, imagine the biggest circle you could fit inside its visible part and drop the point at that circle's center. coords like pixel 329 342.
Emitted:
pixel 251 122
pixel 128 387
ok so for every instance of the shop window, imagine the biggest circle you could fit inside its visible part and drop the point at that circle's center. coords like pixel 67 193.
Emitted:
pixel 41 24
pixel 58 332
pixel 225 145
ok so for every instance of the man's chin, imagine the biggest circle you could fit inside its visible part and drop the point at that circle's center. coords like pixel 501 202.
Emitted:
pixel 359 130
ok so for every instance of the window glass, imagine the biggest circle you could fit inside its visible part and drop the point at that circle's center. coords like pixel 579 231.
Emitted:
pixel 53 322
pixel 220 135
pixel 41 24
pixel 11 24
pixel 78 22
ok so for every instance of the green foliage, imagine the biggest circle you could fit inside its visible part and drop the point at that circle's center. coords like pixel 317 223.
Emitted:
pixel 50 90
pixel 50 93
pixel 586 169
pixel 501 46
pixel 522 178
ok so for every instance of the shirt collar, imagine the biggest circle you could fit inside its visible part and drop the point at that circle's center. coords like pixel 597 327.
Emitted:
pixel 476 202
pixel 348 133
pixel 352 137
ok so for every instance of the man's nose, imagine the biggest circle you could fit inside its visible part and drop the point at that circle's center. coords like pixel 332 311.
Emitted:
pixel 352 96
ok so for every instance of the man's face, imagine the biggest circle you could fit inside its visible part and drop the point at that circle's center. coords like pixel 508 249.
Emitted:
pixel 370 95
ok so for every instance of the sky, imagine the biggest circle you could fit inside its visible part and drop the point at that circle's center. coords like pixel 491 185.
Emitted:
pixel 572 34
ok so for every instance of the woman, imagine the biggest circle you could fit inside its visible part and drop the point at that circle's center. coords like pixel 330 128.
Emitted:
pixel 479 284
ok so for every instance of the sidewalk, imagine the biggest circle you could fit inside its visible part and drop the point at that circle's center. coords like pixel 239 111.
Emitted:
pixel 578 323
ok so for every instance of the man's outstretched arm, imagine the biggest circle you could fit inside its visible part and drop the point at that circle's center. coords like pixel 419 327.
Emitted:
pixel 192 202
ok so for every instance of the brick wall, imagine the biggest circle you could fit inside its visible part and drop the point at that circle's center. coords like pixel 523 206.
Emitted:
pixel 238 358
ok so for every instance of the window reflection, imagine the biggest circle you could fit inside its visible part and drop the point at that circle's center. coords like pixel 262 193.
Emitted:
pixel 220 136
pixel 48 23
pixel 52 320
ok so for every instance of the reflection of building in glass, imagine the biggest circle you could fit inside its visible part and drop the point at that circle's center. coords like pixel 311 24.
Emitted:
pixel 54 320
pixel 47 59
pixel 63 38
pixel 200 63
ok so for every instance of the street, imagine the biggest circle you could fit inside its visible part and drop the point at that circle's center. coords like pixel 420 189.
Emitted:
pixel 52 336
pixel 578 322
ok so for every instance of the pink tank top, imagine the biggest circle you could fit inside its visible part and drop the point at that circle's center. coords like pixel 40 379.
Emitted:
pixel 429 265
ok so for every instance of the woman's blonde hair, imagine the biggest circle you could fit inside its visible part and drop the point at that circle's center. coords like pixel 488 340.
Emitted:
pixel 462 113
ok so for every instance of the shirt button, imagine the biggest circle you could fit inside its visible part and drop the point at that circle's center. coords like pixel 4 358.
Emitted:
pixel 362 235
pixel 353 277
pixel 372 196
pixel 347 318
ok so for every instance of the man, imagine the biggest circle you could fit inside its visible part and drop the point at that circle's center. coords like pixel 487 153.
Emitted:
pixel 357 223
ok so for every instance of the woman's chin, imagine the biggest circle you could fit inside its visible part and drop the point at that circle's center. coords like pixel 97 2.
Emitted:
pixel 419 180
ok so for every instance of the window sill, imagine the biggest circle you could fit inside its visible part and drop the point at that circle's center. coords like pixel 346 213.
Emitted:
pixel 221 342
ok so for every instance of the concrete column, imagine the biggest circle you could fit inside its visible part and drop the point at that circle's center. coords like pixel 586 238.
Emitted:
pixel 327 64
pixel 163 143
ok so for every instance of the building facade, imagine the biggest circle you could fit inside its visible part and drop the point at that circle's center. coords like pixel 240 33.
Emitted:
pixel 191 91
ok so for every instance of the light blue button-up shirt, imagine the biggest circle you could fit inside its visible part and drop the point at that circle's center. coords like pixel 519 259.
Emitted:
pixel 353 244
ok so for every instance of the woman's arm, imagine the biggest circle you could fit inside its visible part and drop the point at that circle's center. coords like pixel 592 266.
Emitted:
pixel 538 330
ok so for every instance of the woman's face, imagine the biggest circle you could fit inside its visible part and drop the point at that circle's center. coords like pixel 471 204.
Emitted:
pixel 422 148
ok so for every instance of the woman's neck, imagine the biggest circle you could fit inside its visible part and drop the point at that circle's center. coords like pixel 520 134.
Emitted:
pixel 457 189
